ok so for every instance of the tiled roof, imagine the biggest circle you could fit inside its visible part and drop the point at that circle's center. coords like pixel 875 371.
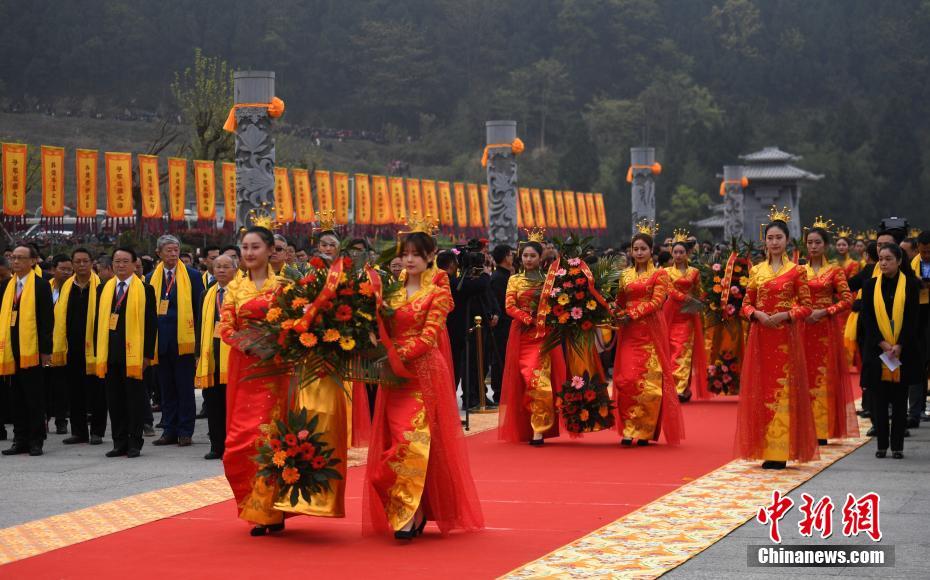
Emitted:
pixel 778 173
pixel 714 221
pixel 769 155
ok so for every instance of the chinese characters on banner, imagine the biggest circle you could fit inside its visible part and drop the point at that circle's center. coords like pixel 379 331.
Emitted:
pixel 283 200
pixel 526 208
pixel 414 200
pixel 551 219
pixel 461 211
pixel 539 213
pixel 205 190
pixel 560 210
pixel 571 217
pixel 177 188
pixel 86 162
pixel 229 192
pixel 582 211
pixel 341 195
pixel 362 199
pixel 601 213
pixel 382 201
pixel 14 179
pixel 303 198
pixel 119 184
pixel 324 192
pixel 430 203
pixel 149 188
pixel 474 206
pixel 53 181
pixel 398 203
pixel 860 516
pixel 445 204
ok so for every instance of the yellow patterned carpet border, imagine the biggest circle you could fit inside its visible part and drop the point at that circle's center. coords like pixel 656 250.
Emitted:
pixel 667 532
pixel 62 530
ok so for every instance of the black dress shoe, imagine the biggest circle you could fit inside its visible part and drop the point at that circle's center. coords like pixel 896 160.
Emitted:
pixel 870 432
pixel 881 453
pixel 897 454
pixel 16 449
pixel 184 441
pixel 116 453
pixel 164 440
pixel 61 428
pixel 73 440
pixel 133 453
pixel 913 423
pixel 213 455
pixel 35 449
pixel 96 440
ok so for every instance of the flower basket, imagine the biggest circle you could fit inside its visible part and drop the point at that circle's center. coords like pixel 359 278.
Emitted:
pixel 585 405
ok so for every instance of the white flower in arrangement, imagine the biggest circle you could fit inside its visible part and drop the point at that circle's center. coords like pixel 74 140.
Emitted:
pixel 574 262
pixel 560 272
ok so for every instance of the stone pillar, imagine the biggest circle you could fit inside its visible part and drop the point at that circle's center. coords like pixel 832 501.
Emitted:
pixel 644 185
pixel 502 184
pixel 254 143
pixel 733 216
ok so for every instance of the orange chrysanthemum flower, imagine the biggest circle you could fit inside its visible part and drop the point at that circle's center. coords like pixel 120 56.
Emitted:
pixel 290 475
pixel 299 302
pixel 279 458
pixel 273 314
pixel 331 335
pixel 308 339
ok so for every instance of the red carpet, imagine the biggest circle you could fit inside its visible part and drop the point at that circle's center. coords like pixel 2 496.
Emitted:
pixel 535 500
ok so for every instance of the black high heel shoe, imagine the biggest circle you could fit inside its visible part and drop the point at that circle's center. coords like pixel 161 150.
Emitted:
pixel 642 442
pixel 419 529
pixel 258 531
pixel 537 442
pixel 773 464
pixel 626 442
pixel 405 534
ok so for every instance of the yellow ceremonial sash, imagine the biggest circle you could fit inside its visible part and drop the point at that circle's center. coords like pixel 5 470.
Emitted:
pixel 924 293
pixel 849 333
pixel 135 326
pixel 205 364
pixel 890 328
pixel 28 330
pixel 38 270
pixel 60 332
pixel 186 340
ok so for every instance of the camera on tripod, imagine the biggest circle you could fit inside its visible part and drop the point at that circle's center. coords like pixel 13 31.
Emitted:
pixel 471 260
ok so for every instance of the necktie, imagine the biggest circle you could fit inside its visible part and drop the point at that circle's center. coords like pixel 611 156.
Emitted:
pixel 219 294
pixel 169 276
pixel 121 288
pixel 19 287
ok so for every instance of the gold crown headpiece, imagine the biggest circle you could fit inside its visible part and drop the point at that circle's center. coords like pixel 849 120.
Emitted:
pixel 914 232
pixel 648 227
pixel 680 235
pixel 871 235
pixel 425 225
pixel 264 216
pixel 783 214
pixel 537 235
pixel 825 224
pixel 327 221
pixel 844 232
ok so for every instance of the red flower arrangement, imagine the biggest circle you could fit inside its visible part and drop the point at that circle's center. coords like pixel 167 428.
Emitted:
pixel 724 282
pixel 294 460
pixel 585 405
pixel 723 374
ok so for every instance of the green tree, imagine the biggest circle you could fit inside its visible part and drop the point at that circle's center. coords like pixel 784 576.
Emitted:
pixel 539 93
pixel 204 94
pixel 687 205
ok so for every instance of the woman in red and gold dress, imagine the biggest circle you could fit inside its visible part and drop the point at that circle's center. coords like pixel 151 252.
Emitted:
pixel 827 370
pixel 418 466
pixel 850 267
pixel 685 329
pixel 251 403
pixel 775 421
pixel 527 411
pixel 644 386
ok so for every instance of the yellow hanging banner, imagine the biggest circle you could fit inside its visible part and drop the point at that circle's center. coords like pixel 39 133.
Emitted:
pixel 324 191
pixel 484 205
pixel 461 210
pixel 560 210
pixel 14 179
pixel 341 195
pixel 177 188
pixel 119 184
pixel 593 222
pixel 474 206
pixel 519 214
pixel 582 211
pixel 303 197
pixel 526 207
pixel 229 192
pixel 86 164
pixel 571 216
pixel 549 200
pixel 538 210
pixel 150 193
pixel 398 203
pixel 601 214
pixel 382 201
pixel 414 199
pixel 362 199
pixel 53 181
pixel 283 200
pixel 445 204
pixel 205 190
pixel 430 201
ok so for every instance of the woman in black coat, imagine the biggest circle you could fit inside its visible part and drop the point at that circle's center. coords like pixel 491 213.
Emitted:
pixel 881 332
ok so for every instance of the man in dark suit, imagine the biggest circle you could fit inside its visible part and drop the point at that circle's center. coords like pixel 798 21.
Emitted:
pixel 29 362
pixel 503 258
pixel 176 361
pixel 124 387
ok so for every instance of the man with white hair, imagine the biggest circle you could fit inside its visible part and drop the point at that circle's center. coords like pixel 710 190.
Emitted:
pixel 178 289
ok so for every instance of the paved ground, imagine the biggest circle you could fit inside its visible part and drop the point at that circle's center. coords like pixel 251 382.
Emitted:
pixel 904 488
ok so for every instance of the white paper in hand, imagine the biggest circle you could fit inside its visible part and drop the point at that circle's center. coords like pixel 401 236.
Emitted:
pixel 892 363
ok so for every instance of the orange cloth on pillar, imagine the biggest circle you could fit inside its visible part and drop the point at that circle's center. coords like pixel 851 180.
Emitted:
pixel 275 110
